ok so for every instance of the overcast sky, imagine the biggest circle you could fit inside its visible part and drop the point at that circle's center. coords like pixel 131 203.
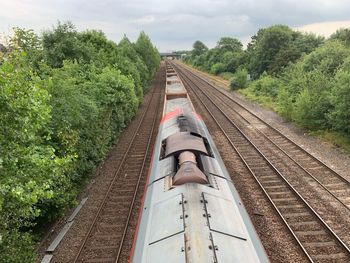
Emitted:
pixel 174 25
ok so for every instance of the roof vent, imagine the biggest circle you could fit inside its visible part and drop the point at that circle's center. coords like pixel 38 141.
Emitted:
pixel 189 172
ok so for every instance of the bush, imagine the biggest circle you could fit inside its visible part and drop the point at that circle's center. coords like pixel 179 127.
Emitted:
pixel 339 116
pixel 217 68
pixel 239 79
pixel 61 107
pixel 266 85
pixel 226 75
pixel 30 169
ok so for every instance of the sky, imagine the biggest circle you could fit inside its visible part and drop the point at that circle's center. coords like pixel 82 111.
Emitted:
pixel 176 25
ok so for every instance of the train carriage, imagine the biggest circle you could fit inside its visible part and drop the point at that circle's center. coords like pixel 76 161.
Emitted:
pixel 191 211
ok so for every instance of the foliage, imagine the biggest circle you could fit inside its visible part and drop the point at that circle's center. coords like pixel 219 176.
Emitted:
pixel 226 75
pixel 30 169
pixel 266 85
pixel 227 56
pixel 64 97
pixel 198 48
pixel 239 79
pixel 217 68
pixel 61 44
pixel 148 53
pixel 273 48
pixel 302 76
pixel 342 34
pixel 339 116
pixel 229 44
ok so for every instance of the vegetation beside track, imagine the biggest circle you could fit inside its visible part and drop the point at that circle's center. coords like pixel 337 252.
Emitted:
pixel 65 96
pixel 305 78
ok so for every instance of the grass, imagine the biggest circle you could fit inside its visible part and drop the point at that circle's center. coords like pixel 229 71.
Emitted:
pixel 226 75
pixel 262 100
pixel 335 138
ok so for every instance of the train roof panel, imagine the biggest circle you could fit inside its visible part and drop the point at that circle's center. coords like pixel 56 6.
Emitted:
pixel 177 103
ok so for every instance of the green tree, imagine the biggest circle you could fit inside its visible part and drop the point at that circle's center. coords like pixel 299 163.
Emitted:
pixel 25 40
pixel 135 65
pixel 264 47
pixel 343 35
pixel 148 53
pixel 339 117
pixel 229 44
pixel 61 106
pixel 327 58
pixel 266 85
pixel 273 48
pixel 61 44
pixel 198 48
pixel 239 79
pixel 29 167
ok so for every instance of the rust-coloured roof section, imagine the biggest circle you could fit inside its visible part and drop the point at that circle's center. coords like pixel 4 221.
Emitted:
pixel 182 141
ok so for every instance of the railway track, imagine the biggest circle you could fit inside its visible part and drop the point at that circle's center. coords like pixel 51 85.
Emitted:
pixel 313 234
pixel 324 189
pixel 109 235
pixel 332 182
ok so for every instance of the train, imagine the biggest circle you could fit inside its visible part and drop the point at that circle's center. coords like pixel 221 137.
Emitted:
pixel 191 210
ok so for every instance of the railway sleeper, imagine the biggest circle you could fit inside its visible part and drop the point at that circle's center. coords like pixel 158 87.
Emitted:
pixel 331 257
pixel 101 260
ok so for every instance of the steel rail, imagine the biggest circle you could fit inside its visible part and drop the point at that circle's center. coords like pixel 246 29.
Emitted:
pixel 270 126
pixel 320 220
pixel 115 176
pixel 285 153
pixel 137 185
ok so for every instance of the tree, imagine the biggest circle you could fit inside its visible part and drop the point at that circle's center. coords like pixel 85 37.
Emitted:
pixel 239 79
pixel 273 48
pixel 64 99
pixel 25 40
pixel 343 35
pixel 264 47
pixel 134 65
pixel 327 58
pixel 29 167
pixel 339 117
pixel 229 44
pixel 198 48
pixel 148 53
pixel 62 43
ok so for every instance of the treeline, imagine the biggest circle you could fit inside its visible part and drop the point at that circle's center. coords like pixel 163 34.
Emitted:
pixel 303 77
pixel 65 96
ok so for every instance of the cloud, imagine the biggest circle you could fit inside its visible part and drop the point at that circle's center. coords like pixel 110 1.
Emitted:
pixel 149 19
pixel 175 24
pixel 324 28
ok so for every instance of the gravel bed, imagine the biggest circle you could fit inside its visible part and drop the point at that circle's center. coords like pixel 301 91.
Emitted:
pixel 270 228
pixel 332 156
pixel 326 152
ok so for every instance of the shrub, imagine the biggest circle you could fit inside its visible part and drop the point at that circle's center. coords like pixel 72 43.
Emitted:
pixel 339 116
pixel 61 107
pixel 30 169
pixel 239 79
pixel 226 75
pixel 266 85
pixel 217 68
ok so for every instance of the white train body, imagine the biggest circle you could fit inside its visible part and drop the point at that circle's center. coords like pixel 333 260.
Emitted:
pixel 191 210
